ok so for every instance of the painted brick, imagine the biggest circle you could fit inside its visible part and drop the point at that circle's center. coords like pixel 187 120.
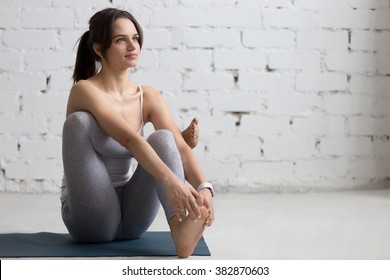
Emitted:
pixel 61 80
pixel 348 104
pixel 191 59
pixel 319 125
pixel 237 102
pixel 179 16
pixel 261 125
pixel 156 39
pixel 52 18
pixel 187 102
pixel 9 18
pixel 208 81
pixel 351 62
pixel 9 104
pixel 321 82
pixel 149 60
pixel 268 171
pixel 233 147
pixel 299 60
pixel 208 3
pixel 381 147
pixel 239 59
pixel 30 39
pixel 292 104
pixel 204 38
pixel 41 149
pixel 217 170
pixel 346 146
pixel 375 85
pixel 382 19
pixel 384 64
pixel 22 82
pixel 69 39
pixel 366 126
pixel 321 168
pixel 8 147
pixel 81 4
pixel 346 18
pixel 218 124
pixel 265 81
pixel 23 125
pixel 363 4
pixel 268 38
pixel 289 147
pixel 370 41
pixel 323 40
pixel 44 103
pixel 321 4
pixel 48 60
pixel 364 168
pixel 55 124
pixel 287 18
pixel 164 81
pixel 265 3
pixel 38 170
pixel 11 61
pixel 26 3
pixel 229 18
pixel 381 107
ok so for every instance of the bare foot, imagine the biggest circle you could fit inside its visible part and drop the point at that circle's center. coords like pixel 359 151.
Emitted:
pixel 191 133
pixel 187 233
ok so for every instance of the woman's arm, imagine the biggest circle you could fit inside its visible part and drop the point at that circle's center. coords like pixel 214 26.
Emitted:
pixel 158 113
pixel 84 97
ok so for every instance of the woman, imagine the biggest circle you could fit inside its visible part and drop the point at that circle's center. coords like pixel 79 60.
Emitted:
pixel 106 113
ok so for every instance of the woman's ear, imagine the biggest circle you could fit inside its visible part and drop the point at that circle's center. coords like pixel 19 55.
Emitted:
pixel 96 49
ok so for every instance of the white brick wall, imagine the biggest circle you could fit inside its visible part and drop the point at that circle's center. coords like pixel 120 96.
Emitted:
pixel 290 93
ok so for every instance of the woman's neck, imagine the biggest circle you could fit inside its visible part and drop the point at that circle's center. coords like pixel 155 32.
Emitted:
pixel 111 82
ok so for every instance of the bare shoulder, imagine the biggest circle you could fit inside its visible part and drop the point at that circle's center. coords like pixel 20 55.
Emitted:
pixel 151 92
pixel 155 107
pixel 152 97
pixel 82 96
pixel 81 86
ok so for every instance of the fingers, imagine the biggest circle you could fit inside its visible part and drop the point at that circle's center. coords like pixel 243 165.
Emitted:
pixel 188 207
pixel 194 208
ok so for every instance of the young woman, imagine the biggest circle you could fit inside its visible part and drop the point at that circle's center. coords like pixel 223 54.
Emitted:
pixel 103 131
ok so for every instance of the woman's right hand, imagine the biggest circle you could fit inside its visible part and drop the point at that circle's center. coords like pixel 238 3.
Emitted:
pixel 183 198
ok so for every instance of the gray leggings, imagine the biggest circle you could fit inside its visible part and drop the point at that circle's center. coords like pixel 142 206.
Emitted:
pixel 95 211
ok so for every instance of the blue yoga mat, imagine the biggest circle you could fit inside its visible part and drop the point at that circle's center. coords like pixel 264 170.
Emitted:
pixel 47 244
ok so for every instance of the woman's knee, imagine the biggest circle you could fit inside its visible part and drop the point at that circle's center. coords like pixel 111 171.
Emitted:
pixel 78 121
pixel 162 139
pixel 160 135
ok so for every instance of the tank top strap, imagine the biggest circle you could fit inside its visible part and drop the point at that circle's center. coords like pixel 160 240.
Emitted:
pixel 141 131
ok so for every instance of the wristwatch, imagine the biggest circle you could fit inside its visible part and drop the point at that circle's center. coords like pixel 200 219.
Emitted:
pixel 206 185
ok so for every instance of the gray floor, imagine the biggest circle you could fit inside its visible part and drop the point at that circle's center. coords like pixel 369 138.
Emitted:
pixel 337 226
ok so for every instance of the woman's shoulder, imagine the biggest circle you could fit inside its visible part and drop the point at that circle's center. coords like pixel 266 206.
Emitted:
pixel 149 90
pixel 84 88
pixel 151 94
pixel 81 85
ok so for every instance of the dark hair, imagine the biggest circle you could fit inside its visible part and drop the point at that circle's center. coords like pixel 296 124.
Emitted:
pixel 100 31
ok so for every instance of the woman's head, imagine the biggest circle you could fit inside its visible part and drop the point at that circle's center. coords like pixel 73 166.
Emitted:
pixel 99 33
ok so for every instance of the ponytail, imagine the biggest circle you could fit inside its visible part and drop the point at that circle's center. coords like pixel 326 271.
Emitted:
pixel 85 66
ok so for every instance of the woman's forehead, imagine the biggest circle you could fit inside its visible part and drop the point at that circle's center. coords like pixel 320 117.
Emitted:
pixel 123 26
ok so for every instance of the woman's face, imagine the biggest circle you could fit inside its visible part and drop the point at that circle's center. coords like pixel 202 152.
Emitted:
pixel 125 49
